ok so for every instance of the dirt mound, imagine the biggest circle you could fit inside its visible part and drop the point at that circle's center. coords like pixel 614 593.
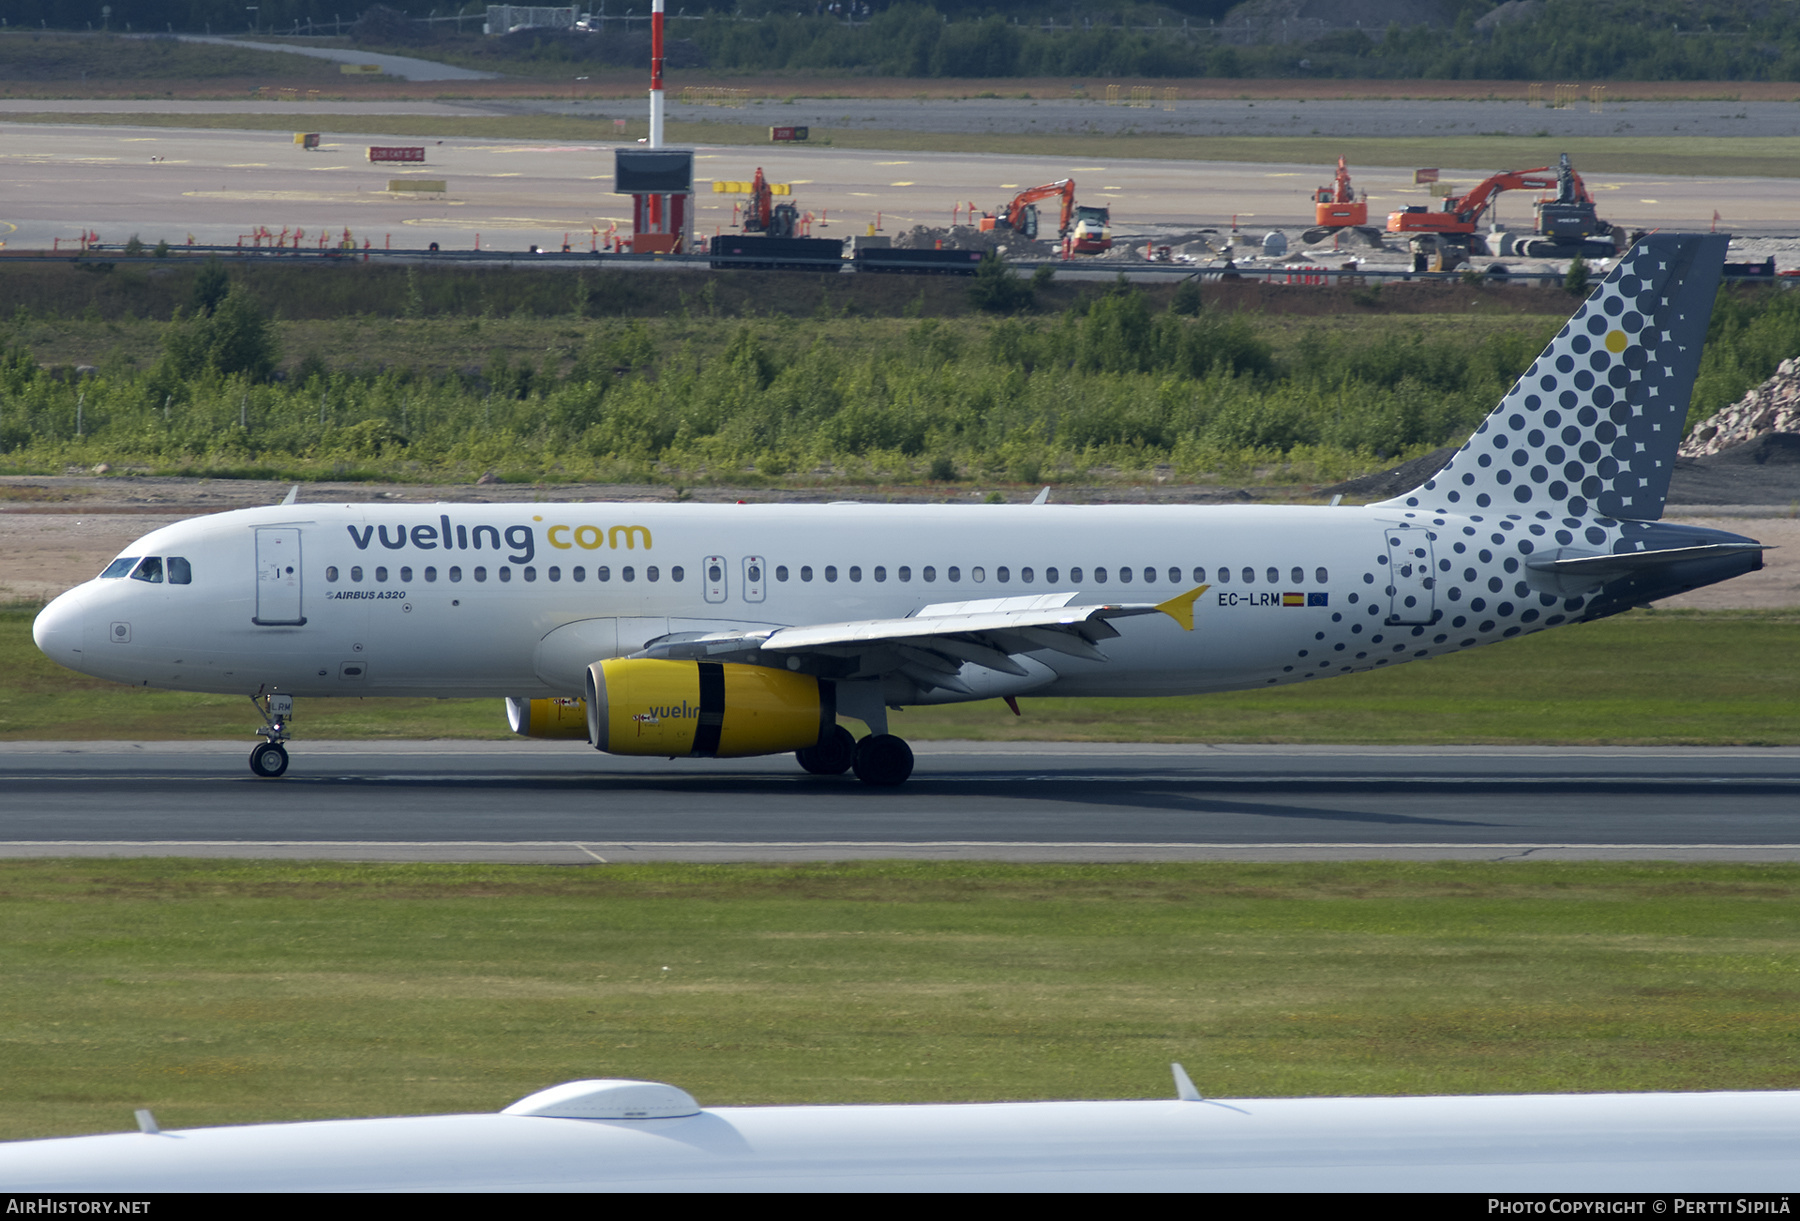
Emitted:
pixel 1383 485
pixel 1772 407
pixel 967 237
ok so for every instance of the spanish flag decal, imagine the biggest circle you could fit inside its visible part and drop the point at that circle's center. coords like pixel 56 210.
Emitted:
pixel 1293 599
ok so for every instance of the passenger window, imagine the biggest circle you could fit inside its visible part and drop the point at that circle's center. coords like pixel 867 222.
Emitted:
pixel 1199 576
pixel 1321 576
pixel 781 572
pixel 651 573
pixel 1074 576
pixel 123 565
pixel 1274 575
pixel 1249 576
pixel 553 572
pixel 1174 576
pixel 530 574
pixel 431 574
pixel 480 574
pixel 381 575
pixel 978 574
pixel 1299 575
pixel 406 575
pixel 628 573
pixel 930 573
pixel 953 574
pixel 505 573
pixel 676 574
pixel 905 573
pixel 603 573
pixel 831 572
pixel 1100 576
pixel 180 573
pixel 880 573
pixel 1025 576
pixel 356 573
pixel 806 572
pixel 1050 576
pixel 455 574
pixel 855 573
pixel 1125 575
pixel 1002 575
pixel 1224 576
pixel 330 573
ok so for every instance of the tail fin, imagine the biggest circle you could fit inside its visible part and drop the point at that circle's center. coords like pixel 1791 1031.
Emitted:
pixel 1592 427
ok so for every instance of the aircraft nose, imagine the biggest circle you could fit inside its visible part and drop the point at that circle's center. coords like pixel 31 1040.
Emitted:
pixel 58 630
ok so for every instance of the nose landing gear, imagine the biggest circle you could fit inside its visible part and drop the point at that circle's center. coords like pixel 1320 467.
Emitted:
pixel 270 758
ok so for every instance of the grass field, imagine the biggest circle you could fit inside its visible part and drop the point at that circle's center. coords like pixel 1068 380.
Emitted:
pixel 1751 156
pixel 219 992
pixel 1645 678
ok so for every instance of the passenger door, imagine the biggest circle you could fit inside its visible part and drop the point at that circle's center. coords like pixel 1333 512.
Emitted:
pixel 278 577
pixel 1410 582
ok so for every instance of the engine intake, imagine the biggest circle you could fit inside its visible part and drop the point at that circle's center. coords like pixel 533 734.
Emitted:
pixel 706 709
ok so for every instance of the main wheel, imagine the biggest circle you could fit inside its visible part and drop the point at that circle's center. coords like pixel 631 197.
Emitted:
pixel 883 760
pixel 831 757
pixel 269 760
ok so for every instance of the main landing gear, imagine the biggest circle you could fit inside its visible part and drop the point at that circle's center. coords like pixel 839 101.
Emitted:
pixel 270 758
pixel 881 759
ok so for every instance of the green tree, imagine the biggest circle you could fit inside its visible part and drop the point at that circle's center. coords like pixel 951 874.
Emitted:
pixel 211 285
pixel 236 338
pixel 997 289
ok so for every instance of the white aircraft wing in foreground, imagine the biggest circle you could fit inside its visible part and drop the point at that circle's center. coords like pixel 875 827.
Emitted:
pixel 644 1136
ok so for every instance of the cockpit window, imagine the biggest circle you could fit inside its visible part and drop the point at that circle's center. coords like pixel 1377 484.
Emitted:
pixel 180 571
pixel 149 570
pixel 119 567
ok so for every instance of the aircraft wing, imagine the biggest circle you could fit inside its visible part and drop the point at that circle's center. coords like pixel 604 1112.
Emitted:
pixel 931 645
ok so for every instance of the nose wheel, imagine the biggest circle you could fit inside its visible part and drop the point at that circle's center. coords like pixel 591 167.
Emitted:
pixel 269 760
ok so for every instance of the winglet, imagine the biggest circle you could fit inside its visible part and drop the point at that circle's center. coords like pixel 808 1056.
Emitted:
pixel 1180 608
pixel 292 496
pixel 1184 1086
pixel 1042 498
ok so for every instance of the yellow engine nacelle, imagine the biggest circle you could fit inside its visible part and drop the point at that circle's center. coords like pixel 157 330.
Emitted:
pixel 547 718
pixel 641 706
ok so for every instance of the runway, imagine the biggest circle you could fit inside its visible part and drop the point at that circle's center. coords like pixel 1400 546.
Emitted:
pixel 562 803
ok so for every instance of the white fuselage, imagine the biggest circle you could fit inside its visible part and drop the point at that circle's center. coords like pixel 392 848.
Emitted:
pixel 458 600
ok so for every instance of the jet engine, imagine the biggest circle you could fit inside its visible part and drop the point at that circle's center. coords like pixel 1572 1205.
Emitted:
pixel 558 718
pixel 644 706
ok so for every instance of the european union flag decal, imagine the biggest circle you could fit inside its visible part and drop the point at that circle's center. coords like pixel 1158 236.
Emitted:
pixel 1318 599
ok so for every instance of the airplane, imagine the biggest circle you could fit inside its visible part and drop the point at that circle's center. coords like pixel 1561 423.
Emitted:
pixel 736 630
pixel 625 1135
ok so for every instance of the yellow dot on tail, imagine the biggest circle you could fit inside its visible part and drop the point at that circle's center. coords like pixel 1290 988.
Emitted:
pixel 1616 341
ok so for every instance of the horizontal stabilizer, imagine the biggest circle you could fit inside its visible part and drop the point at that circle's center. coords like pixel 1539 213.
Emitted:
pixel 1575 574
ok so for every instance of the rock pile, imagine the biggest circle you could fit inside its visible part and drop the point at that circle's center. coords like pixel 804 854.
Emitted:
pixel 1773 407
pixel 968 237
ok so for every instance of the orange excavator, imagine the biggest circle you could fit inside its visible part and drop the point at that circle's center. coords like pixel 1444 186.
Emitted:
pixel 1336 207
pixel 1566 223
pixel 763 215
pixel 1081 230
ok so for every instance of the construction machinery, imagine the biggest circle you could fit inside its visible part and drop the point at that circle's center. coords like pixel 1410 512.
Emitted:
pixel 761 213
pixel 1336 208
pixel 1080 229
pixel 1565 224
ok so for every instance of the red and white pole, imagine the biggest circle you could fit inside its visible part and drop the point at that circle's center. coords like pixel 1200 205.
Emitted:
pixel 656 73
